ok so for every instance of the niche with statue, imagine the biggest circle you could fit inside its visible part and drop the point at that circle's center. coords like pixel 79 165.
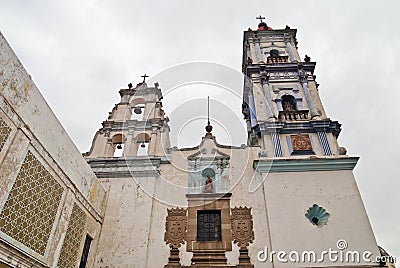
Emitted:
pixel 208 177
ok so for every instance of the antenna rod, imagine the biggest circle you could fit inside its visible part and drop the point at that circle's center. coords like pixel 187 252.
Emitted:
pixel 208 109
pixel 208 127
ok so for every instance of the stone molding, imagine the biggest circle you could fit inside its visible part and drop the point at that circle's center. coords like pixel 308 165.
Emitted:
pixel 126 167
pixel 304 165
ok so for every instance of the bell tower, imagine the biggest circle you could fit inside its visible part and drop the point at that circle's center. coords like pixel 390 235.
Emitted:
pixel 311 195
pixel 126 155
pixel 136 126
pixel 281 104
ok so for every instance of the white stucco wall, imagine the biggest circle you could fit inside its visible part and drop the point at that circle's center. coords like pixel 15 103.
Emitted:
pixel 17 87
pixel 133 233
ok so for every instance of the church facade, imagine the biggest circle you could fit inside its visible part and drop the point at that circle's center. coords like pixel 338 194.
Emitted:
pixel 287 198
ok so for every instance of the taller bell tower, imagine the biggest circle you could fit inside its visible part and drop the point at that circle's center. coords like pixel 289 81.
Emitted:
pixel 311 196
pixel 281 103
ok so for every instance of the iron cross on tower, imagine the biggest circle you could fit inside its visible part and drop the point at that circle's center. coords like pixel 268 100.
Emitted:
pixel 260 18
pixel 144 77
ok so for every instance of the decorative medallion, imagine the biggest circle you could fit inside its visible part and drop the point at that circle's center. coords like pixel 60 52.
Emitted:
pixel 242 226
pixel 175 227
pixel 317 215
pixel 301 142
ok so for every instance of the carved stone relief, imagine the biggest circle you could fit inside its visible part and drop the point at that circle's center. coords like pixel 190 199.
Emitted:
pixel 176 227
pixel 175 234
pixel 242 232
pixel 301 142
pixel 242 226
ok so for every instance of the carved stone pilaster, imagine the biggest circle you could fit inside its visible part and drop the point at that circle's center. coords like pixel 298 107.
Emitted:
pixel 310 102
pixel 288 39
pixel 242 232
pixel 264 79
pixel 175 233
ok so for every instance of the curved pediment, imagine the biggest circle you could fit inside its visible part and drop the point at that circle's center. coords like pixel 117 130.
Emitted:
pixel 209 149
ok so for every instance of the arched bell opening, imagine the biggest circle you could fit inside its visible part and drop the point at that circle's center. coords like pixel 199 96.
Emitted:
pixel 118 144
pixel 143 140
pixel 137 106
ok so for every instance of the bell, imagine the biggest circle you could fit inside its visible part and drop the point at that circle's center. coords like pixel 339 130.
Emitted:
pixel 143 145
pixel 137 110
pixel 119 146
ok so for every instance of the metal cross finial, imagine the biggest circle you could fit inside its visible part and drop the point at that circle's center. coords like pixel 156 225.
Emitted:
pixel 144 77
pixel 260 18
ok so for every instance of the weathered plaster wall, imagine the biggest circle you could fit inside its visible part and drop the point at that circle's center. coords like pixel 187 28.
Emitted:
pixel 20 92
pixel 35 128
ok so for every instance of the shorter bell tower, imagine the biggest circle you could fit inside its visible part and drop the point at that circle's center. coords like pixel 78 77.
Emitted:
pixel 136 126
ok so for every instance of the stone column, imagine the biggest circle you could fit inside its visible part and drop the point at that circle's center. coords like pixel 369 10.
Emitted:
pixel 134 146
pixel 253 116
pixel 289 49
pixel 268 99
pixel 248 52
pixel 152 144
pixel 258 50
pixel 310 102
pixel 252 50
pixel 128 147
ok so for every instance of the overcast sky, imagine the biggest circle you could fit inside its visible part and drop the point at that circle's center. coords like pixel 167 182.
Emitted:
pixel 80 53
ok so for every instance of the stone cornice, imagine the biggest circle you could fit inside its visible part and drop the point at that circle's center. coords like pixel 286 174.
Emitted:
pixel 304 165
pixel 270 33
pixel 130 123
pixel 139 90
pixel 280 67
pixel 208 197
pixel 126 167
pixel 305 126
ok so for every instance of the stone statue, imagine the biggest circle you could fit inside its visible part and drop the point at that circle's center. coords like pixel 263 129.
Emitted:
pixel 209 185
